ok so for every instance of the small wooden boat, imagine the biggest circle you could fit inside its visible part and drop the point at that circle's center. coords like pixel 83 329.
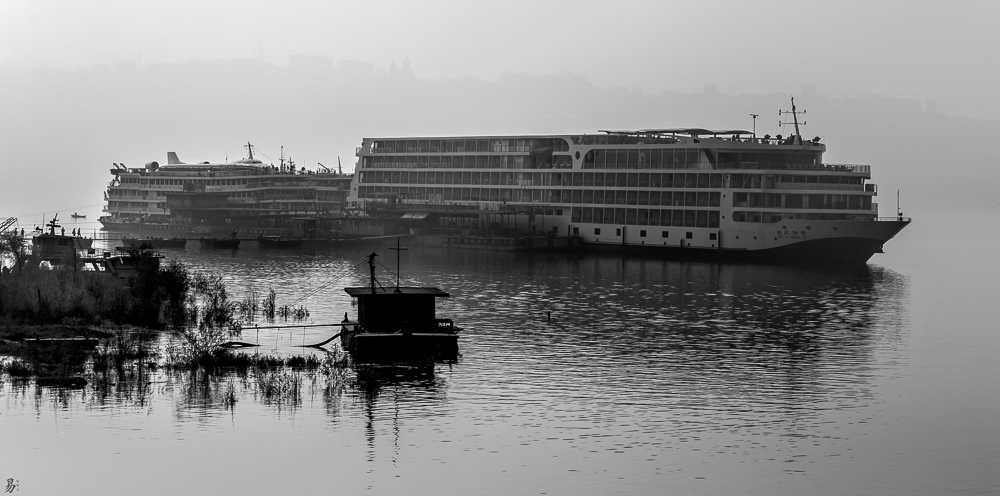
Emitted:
pixel 78 216
pixel 398 325
pixel 155 243
pixel 278 242
pixel 230 243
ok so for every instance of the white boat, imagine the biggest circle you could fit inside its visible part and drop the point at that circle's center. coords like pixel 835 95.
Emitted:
pixel 687 193
pixel 213 198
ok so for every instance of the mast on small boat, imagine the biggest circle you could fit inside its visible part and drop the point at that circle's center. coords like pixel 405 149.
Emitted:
pixel 371 266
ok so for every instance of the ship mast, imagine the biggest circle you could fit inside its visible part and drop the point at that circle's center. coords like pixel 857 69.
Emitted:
pixel 795 119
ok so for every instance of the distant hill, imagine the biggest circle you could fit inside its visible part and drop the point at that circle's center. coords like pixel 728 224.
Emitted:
pixel 61 130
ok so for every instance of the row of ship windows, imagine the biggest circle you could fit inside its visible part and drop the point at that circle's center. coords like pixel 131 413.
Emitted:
pixel 676 158
pixel 645 217
pixel 119 193
pixel 463 145
pixel 679 218
pixel 610 197
pixel 255 183
pixel 622 197
pixel 811 201
pixel 547 161
pixel 615 179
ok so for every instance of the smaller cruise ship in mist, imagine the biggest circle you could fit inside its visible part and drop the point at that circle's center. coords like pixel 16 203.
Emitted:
pixel 206 199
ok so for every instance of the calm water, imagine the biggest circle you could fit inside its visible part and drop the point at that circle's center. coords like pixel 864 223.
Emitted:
pixel 651 377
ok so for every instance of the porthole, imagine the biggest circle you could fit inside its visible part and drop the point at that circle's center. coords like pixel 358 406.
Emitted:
pixel 784 227
pixel 578 155
pixel 755 237
pixel 775 239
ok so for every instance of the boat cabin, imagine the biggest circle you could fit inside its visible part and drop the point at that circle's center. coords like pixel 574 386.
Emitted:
pixel 397 309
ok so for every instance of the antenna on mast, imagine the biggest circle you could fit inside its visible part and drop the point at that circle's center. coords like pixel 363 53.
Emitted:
pixel 795 119
pixel 397 249
pixel 371 266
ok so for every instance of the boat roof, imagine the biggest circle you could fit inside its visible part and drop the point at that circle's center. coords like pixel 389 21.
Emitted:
pixel 367 291
pixel 687 131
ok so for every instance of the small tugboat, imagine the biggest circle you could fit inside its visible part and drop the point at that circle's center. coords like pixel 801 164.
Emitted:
pixel 278 242
pixel 57 248
pixel 398 325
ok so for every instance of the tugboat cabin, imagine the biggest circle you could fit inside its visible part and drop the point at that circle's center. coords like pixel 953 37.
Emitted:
pixel 401 309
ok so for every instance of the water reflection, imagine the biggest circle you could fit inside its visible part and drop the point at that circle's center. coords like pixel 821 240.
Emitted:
pixel 564 354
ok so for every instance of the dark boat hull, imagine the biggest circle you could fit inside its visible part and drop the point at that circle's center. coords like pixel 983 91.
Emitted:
pixel 155 243
pixel 219 243
pixel 277 242
pixel 401 347
pixel 856 248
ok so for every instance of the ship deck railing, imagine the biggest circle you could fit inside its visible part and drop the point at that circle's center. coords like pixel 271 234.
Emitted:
pixel 855 168
pixel 898 218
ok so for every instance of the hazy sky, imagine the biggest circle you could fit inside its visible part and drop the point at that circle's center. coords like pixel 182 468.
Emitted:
pixel 924 50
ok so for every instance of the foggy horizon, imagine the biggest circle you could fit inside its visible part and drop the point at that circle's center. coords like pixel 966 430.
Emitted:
pixel 603 314
pixel 919 50
pixel 883 84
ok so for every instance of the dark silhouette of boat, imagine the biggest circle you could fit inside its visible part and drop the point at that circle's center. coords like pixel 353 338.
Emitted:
pixel 155 243
pixel 398 325
pixel 278 242
pixel 56 247
pixel 230 243
pixel 129 261
pixel 78 216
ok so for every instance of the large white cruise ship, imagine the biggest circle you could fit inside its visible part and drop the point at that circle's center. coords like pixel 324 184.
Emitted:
pixel 691 193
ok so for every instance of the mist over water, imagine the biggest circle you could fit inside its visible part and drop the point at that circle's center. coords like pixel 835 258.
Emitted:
pixel 579 374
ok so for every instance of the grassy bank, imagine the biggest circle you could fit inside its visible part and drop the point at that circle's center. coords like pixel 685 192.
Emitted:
pixel 38 297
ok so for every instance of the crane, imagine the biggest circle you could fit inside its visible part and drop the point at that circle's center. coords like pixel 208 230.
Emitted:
pixel 7 223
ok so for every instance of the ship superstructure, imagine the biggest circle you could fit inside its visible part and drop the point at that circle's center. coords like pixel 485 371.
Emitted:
pixel 692 192
pixel 248 195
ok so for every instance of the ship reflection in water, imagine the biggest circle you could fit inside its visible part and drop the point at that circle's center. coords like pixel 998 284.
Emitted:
pixel 587 372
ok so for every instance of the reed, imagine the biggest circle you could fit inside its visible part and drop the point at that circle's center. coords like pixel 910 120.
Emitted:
pixel 278 385
pixel 34 296
pixel 268 304
pixel 16 367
